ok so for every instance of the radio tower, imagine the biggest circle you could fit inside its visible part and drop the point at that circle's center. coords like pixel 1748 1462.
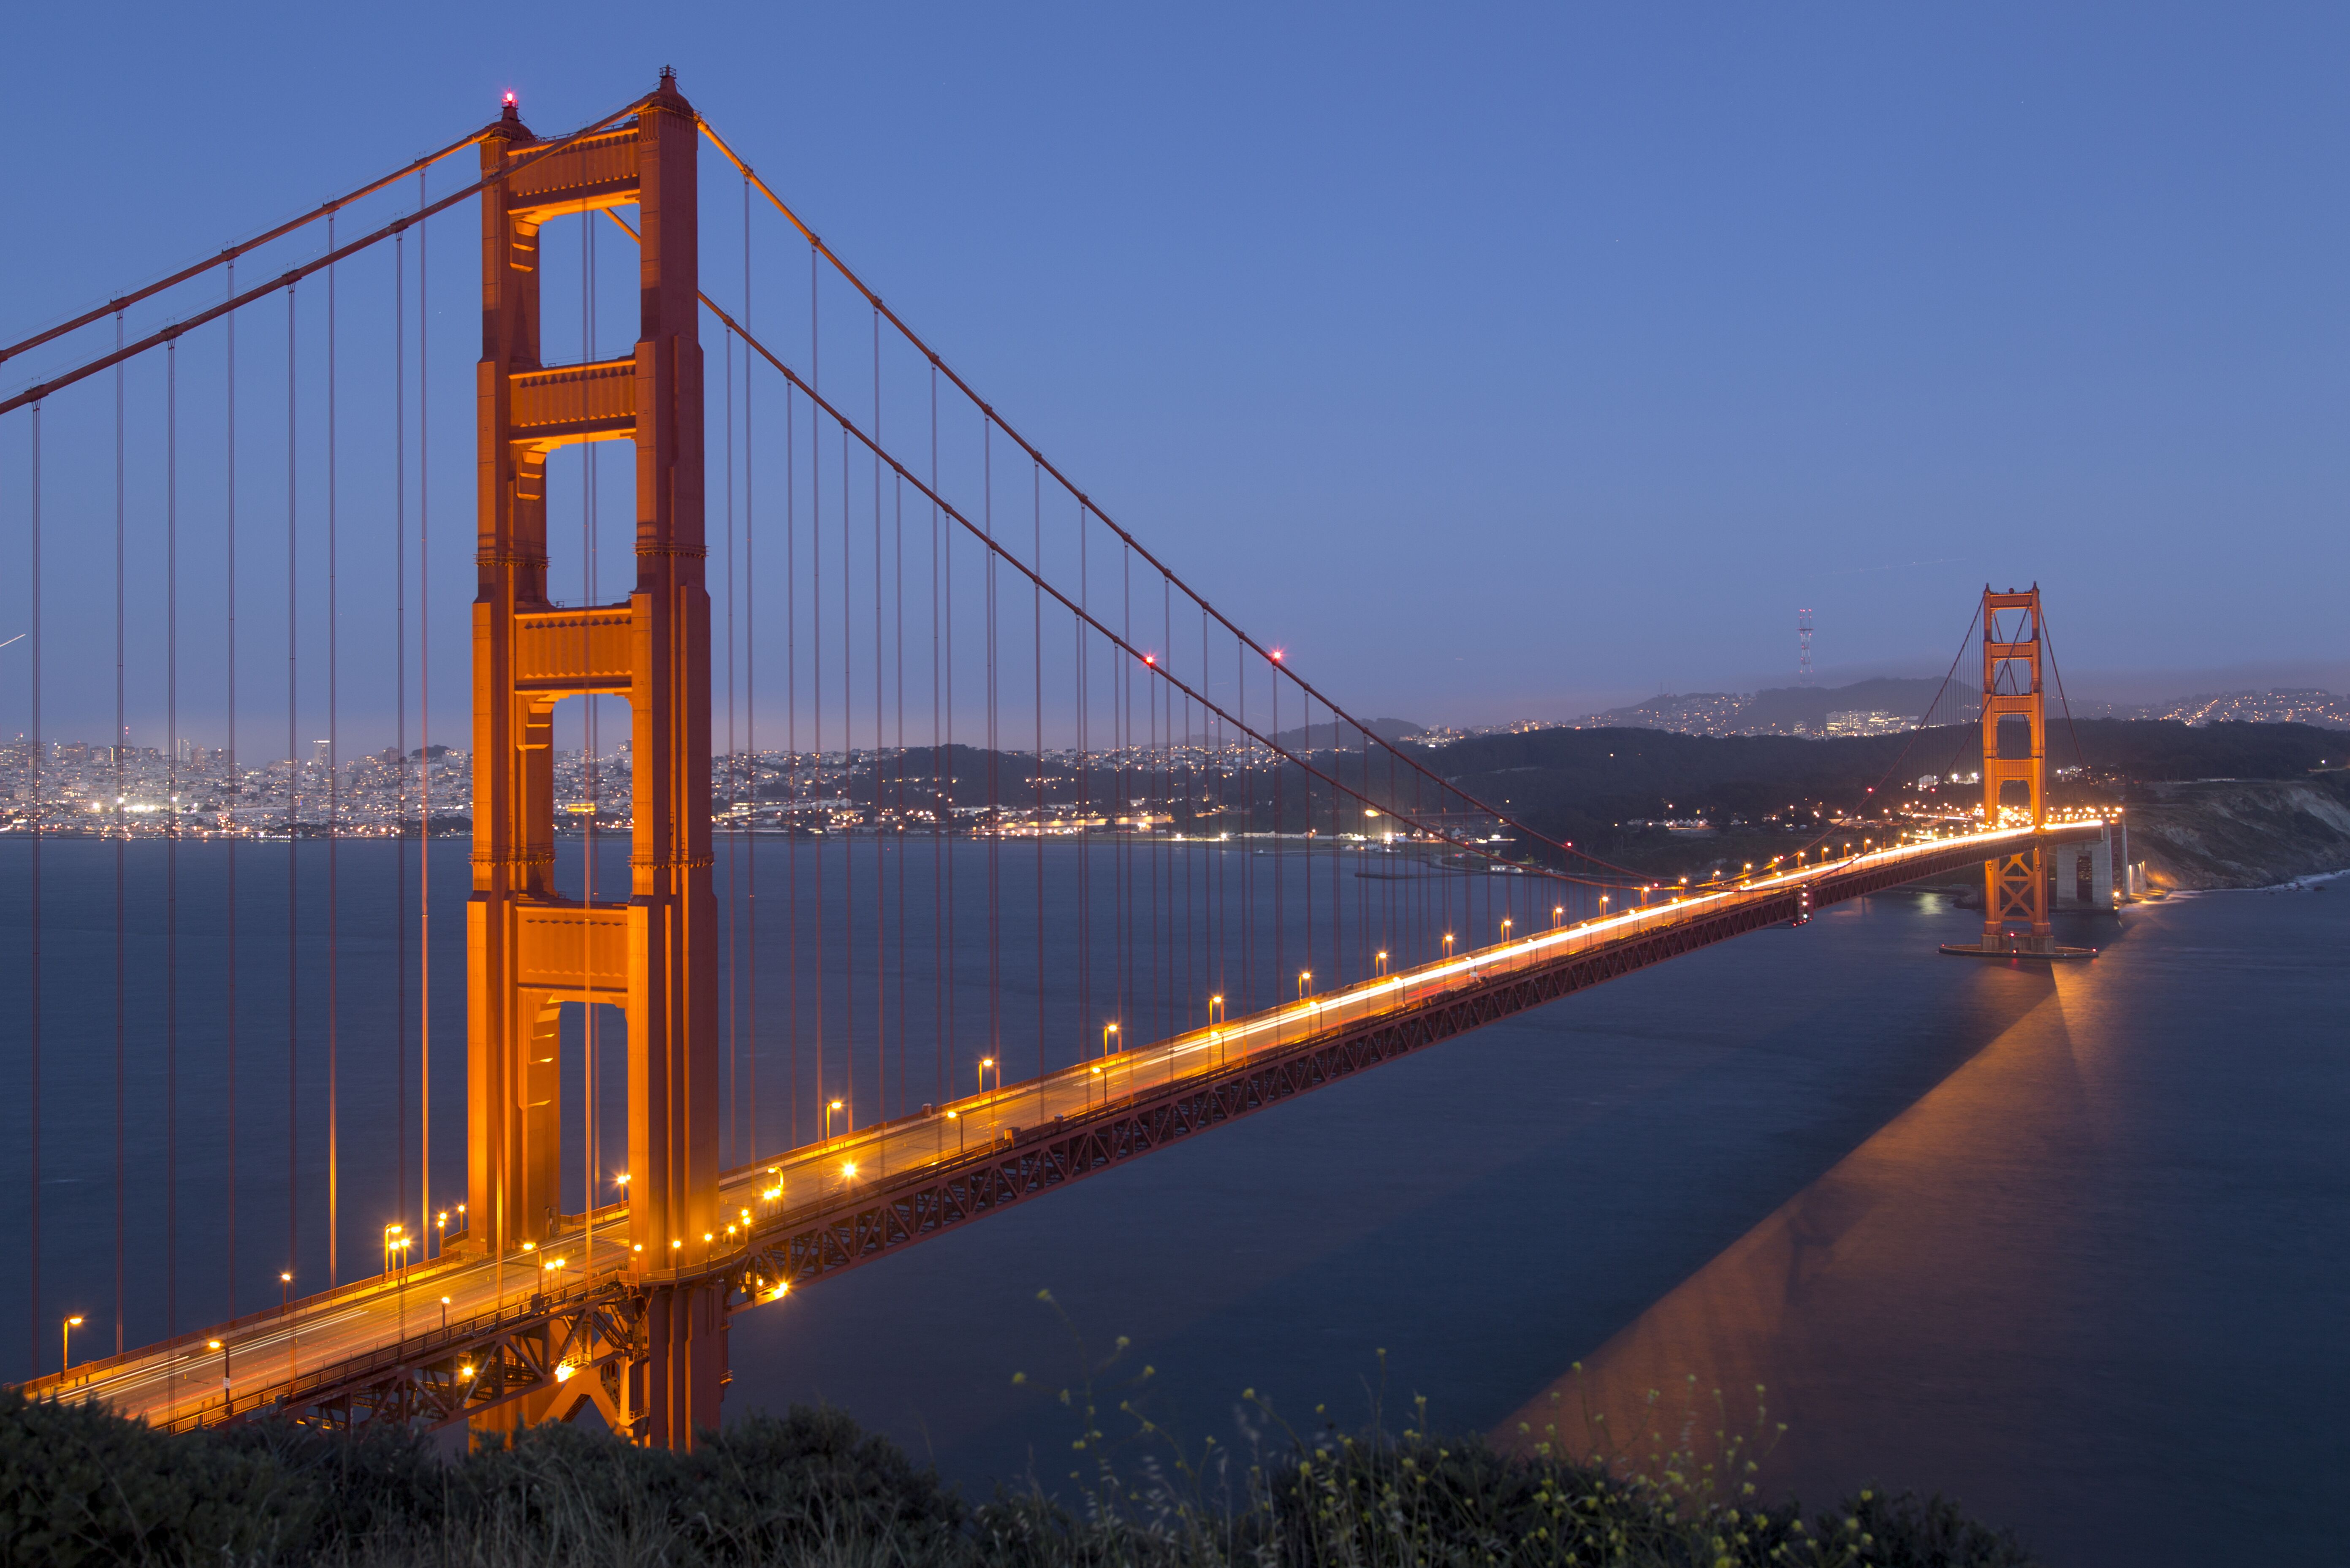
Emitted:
pixel 1802 648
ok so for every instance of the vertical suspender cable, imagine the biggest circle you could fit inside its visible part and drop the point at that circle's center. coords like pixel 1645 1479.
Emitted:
pixel 236 793
pixel 122 744
pixel 750 704
pixel 792 760
pixel 730 1137
pixel 334 822
pixel 815 646
pixel 171 850
pixel 293 819
pixel 848 844
pixel 1085 783
pixel 1036 632
pixel 33 1184
pixel 941 806
pixel 399 713
pixel 880 853
pixel 424 738
pixel 897 556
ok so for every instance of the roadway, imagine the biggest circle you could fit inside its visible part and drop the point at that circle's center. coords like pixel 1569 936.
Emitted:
pixel 181 1382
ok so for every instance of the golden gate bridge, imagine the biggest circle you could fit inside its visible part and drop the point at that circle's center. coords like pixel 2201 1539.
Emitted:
pixel 1158 873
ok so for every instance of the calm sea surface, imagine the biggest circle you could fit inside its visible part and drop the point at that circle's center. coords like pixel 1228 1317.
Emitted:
pixel 2069 1246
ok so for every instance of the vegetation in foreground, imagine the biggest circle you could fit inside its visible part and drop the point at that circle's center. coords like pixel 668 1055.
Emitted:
pixel 81 1486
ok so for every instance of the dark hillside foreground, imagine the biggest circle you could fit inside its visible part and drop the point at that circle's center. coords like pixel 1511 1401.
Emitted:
pixel 79 1486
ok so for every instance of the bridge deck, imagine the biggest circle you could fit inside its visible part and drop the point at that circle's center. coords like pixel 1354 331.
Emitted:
pixel 385 1344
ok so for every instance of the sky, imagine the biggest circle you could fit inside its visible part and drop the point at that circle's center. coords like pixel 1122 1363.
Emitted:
pixel 1500 361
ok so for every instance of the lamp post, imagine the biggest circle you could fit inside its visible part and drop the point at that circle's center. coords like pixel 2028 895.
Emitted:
pixel 292 1329
pixel 1447 944
pixel 830 1111
pixel 221 1346
pixel 1379 962
pixel 445 1315
pixel 440 1233
pixel 984 1064
pixel 1305 983
pixel 1505 928
pixel 65 1342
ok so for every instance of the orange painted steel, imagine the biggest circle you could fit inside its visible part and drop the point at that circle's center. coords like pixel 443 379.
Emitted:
pixel 529 950
pixel 2015 886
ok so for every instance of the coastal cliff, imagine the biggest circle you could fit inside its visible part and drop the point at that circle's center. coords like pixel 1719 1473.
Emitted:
pixel 2240 833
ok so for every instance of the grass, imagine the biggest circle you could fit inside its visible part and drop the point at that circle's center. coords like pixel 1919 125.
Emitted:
pixel 79 1485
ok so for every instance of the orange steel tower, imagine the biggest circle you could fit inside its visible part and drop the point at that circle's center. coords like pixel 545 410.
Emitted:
pixel 2015 887
pixel 529 950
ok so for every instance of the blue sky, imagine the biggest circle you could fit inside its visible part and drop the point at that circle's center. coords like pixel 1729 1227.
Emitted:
pixel 1500 361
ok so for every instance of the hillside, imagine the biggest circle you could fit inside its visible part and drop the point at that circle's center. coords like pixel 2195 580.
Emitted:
pixel 1762 795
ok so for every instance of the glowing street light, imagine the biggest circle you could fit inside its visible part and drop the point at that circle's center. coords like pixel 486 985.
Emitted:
pixel 984 1064
pixel 445 1315
pixel 1505 928
pixel 1447 944
pixel 830 1111
pixel 1305 983
pixel 1379 961
pixel 1215 1012
pixel 1557 915
pixel 285 1310
pixel 65 1342
pixel 221 1346
pixel 1109 1030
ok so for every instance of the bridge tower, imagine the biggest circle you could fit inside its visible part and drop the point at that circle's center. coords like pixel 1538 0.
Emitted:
pixel 2015 887
pixel 529 950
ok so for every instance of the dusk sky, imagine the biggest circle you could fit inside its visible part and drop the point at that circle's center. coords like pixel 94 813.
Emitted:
pixel 1502 362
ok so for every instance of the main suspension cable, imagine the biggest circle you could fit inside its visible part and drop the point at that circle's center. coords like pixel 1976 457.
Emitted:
pixel 996 551
pixel 237 301
pixel 817 247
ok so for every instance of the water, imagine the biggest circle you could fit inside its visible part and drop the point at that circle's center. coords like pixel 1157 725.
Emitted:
pixel 2066 1244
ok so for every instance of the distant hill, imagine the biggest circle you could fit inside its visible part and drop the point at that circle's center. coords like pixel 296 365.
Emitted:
pixel 1588 784
pixel 1321 737
pixel 1789 709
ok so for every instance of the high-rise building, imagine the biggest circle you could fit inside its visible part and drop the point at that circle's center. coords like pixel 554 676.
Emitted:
pixel 322 752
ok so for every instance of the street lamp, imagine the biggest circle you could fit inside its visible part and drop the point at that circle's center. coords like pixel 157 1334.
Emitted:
pixel 1505 928
pixel 984 1064
pixel 1108 1030
pixel 1557 915
pixel 440 1233
pixel 1380 961
pixel 221 1346
pixel 445 1315
pixel 830 1111
pixel 1304 981
pixel 285 1310
pixel 1447 944
pixel 1215 1012
pixel 65 1342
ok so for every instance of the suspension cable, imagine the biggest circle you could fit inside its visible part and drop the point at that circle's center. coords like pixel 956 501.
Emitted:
pixel 33 1059
pixel 817 247
pixel 237 301
pixel 171 844
pixel 292 813
pixel 333 767
pixel 328 211
pixel 236 790
pixel 998 551
pixel 121 941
